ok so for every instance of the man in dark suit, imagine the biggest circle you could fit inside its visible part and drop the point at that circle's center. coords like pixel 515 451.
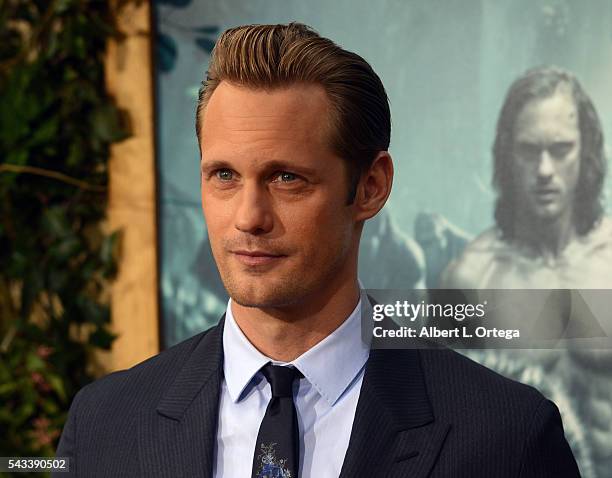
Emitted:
pixel 293 133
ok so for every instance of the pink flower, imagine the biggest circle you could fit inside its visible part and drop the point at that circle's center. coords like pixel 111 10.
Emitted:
pixel 41 423
pixel 43 351
pixel 41 433
pixel 40 382
pixel 37 378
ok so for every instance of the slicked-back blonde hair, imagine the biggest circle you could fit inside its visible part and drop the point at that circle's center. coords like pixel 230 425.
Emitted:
pixel 275 56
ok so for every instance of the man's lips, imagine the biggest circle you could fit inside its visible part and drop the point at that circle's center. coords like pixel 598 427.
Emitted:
pixel 256 257
pixel 546 194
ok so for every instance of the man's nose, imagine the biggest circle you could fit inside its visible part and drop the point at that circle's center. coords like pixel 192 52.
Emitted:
pixel 253 214
pixel 546 166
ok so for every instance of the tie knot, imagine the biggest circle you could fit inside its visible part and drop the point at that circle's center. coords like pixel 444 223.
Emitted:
pixel 281 379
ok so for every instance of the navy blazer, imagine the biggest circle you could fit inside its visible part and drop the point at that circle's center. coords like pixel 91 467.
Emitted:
pixel 421 413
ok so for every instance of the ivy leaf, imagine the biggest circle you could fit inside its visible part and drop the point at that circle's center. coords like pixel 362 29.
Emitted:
pixel 109 252
pixel 94 312
pixel 19 157
pixel 66 248
pixel 24 412
pixel 205 44
pixel 57 280
pixel 45 132
pixel 75 154
pixel 102 338
pixel 7 388
pixel 57 385
pixel 34 363
pixel 51 407
pixel 55 222
pixel 32 285
pixel 167 52
pixel 107 125
pixel 63 6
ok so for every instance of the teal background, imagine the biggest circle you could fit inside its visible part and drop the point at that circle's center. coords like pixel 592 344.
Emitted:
pixel 446 66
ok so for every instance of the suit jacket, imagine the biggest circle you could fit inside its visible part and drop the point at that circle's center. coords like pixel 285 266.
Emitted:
pixel 421 413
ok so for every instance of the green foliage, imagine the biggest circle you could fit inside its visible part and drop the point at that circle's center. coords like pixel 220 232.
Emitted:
pixel 57 123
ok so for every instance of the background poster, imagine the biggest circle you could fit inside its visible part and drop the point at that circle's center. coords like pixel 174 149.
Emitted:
pixel 446 66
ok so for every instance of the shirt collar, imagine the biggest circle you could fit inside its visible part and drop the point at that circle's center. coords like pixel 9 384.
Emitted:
pixel 344 348
pixel 241 360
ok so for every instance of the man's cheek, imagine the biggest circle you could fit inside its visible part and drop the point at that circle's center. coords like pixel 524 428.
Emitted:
pixel 573 176
pixel 302 227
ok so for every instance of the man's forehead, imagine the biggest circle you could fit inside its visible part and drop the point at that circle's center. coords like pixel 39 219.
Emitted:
pixel 235 102
pixel 554 115
pixel 239 118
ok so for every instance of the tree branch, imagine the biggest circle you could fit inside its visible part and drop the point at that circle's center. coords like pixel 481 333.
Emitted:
pixel 13 168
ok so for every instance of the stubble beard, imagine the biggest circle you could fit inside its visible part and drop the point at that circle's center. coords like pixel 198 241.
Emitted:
pixel 290 289
pixel 548 216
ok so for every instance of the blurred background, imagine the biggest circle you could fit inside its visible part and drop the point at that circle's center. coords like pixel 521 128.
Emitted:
pixel 105 258
pixel 77 207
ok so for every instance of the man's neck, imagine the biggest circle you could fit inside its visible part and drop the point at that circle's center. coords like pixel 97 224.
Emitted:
pixel 285 333
pixel 547 239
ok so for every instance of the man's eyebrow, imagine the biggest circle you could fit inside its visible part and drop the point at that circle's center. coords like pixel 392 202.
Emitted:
pixel 265 166
pixel 280 165
pixel 560 142
pixel 209 166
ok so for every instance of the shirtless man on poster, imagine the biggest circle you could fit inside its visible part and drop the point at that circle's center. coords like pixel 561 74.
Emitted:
pixel 550 233
pixel 549 168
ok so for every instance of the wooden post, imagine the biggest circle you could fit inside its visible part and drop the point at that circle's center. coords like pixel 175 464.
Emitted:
pixel 132 195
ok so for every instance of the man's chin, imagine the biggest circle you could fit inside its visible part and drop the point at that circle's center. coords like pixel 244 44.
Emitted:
pixel 265 297
pixel 546 212
pixel 546 216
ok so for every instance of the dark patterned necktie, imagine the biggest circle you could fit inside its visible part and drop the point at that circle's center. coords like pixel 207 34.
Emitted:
pixel 277 449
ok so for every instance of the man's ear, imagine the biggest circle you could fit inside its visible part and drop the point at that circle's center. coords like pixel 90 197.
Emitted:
pixel 374 187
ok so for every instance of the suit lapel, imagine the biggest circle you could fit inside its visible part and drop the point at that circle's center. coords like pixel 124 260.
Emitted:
pixel 178 438
pixel 394 432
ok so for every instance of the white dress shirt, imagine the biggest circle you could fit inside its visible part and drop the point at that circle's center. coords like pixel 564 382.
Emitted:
pixel 325 399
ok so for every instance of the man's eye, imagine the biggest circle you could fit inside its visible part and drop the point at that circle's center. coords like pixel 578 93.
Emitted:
pixel 560 150
pixel 528 152
pixel 224 174
pixel 285 177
